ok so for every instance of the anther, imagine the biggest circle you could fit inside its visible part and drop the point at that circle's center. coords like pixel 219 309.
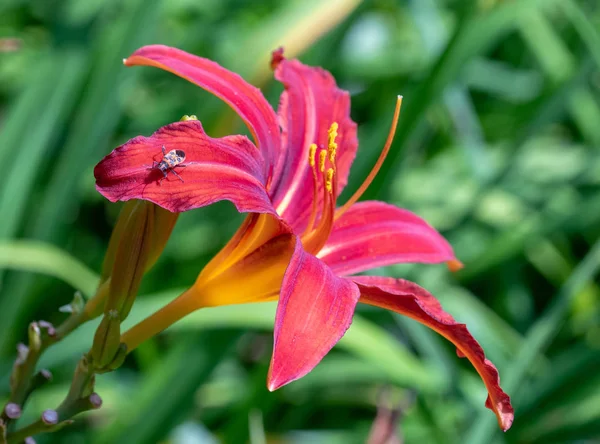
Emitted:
pixel 331 144
pixel 322 157
pixel 332 132
pixel 329 180
pixel 312 150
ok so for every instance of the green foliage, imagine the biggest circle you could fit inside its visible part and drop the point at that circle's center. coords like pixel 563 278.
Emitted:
pixel 497 147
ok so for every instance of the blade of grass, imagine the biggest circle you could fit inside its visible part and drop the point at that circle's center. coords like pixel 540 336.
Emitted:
pixel 26 107
pixel 39 257
pixel 69 70
pixel 568 370
pixel 558 64
pixel 295 26
pixel 584 27
pixel 456 98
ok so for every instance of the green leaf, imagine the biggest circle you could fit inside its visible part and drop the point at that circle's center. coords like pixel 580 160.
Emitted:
pixel 39 257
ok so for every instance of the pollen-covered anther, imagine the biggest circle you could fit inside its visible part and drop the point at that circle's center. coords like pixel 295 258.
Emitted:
pixel 331 143
pixel 322 157
pixel 329 180
pixel 312 151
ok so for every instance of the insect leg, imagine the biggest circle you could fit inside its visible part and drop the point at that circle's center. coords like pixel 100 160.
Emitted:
pixel 178 176
pixel 164 151
pixel 162 178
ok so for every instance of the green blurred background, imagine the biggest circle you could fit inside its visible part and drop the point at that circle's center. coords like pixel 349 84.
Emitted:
pixel 497 147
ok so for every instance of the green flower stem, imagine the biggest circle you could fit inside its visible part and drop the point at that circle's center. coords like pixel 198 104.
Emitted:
pixel 24 367
pixel 42 335
pixel 80 398
pixel 34 428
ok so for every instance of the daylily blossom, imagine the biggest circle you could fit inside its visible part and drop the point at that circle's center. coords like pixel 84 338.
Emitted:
pixel 295 245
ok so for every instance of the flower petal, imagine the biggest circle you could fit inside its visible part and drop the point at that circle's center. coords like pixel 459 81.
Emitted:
pixel 309 105
pixel 230 168
pixel 315 310
pixel 245 99
pixel 408 299
pixel 373 234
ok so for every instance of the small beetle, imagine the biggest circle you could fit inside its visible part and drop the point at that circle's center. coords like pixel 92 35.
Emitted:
pixel 170 160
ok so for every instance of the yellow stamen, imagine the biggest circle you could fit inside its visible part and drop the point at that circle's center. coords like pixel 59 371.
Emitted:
pixel 314 240
pixel 312 150
pixel 313 214
pixel 329 180
pixel 386 148
pixel 322 157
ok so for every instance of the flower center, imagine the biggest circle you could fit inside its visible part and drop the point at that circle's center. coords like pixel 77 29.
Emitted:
pixel 316 233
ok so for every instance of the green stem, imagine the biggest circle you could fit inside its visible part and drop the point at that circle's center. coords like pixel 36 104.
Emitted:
pixel 42 336
pixel 32 429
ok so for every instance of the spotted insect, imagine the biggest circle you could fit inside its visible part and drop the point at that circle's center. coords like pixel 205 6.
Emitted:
pixel 170 160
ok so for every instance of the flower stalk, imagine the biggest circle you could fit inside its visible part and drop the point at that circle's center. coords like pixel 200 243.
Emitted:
pixel 138 238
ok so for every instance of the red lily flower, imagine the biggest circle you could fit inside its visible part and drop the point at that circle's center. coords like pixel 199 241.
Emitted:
pixel 295 245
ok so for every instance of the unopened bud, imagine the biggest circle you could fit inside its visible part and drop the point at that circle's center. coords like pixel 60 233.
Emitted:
pixel 138 240
pixel 50 417
pixel 95 400
pixel 22 353
pixel 75 306
pixel 47 328
pixel 106 339
pixel 12 410
pixel 115 239
pixel 187 118
pixel 119 358
pixel 34 333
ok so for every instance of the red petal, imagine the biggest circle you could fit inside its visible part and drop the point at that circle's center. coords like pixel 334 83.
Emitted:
pixel 408 299
pixel 315 310
pixel 230 168
pixel 373 234
pixel 245 99
pixel 309 105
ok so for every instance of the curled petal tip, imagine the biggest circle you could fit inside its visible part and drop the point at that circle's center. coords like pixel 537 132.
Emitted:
pixel 505 412
pixel 454 265
pixel 409 299
pixel 277 57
